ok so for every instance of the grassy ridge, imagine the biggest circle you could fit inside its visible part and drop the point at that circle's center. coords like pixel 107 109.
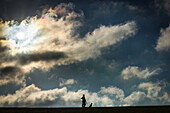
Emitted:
pixel 138 109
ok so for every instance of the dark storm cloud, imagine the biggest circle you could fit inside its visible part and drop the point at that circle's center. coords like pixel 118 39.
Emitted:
pixel 4 53
pixel 2 38
pixel 24 59
pixel 9 71
pixel 11 74
pixel 28 58
pixel 3 49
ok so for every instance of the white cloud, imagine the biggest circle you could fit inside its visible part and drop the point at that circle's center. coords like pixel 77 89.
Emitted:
pixel 135 97
pixel 90 46
pixel 135 71
pixel 165 97
pixel 156 92
pixel 106 96
pixel 67 82
pixel 163 43
pixel 152 89
pixel 148 93
pixel 34 96
pixel 113 91
pixel 91 97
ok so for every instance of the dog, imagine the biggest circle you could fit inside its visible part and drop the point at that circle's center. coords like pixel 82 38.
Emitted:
pixel 90 105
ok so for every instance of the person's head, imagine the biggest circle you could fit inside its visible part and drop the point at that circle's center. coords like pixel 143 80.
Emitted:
pixel 83 95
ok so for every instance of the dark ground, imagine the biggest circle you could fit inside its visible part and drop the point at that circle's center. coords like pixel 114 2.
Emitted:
pixel 139 109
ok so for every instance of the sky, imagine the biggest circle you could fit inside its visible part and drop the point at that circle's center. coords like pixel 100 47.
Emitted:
pixel 116 52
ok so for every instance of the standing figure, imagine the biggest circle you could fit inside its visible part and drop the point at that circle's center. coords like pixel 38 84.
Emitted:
pixel 83 101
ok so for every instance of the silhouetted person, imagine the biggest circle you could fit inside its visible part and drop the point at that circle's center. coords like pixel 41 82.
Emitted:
pixel 90 105
pixel 83 101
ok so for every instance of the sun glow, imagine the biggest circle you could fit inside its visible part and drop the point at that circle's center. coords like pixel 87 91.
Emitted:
pixel 20 35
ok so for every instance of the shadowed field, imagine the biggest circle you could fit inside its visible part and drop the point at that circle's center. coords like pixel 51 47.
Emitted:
pixel 139 109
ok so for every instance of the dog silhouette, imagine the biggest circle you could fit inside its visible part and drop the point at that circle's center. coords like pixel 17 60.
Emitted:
pixel 90 105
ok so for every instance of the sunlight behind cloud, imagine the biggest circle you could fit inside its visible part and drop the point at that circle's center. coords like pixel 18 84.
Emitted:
pixel 53 39
pixel 20 35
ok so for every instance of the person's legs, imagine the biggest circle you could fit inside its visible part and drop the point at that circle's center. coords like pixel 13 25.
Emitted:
pixel 83 104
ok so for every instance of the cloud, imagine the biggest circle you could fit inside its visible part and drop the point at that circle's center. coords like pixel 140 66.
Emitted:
pixel 13 68
pixel 113 91
pixel 67 82
pixel 73 98
pixel 25 59
pixel 135 97
pixel 152 89
pixel 11 74
pixel 146 93
pixel 166 97
pixel 135 71
pixel 40 46
pixel 163 43
pixel 101 37
pixel 53 39
pixel 34 96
